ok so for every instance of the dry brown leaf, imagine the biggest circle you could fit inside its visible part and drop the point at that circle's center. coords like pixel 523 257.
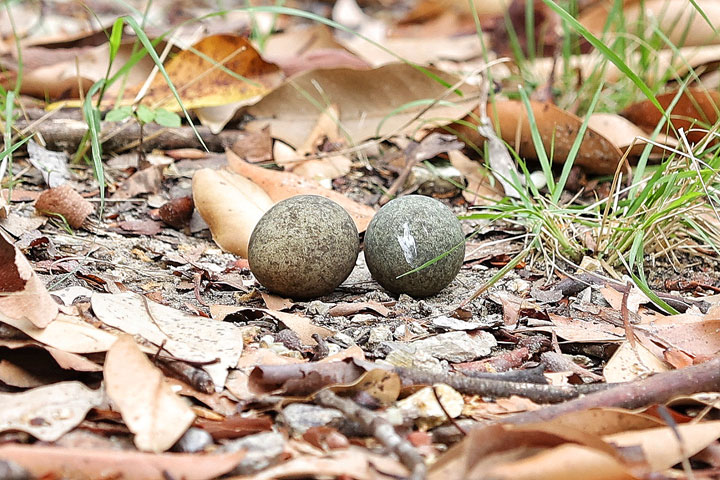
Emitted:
pixel 363 465
pixel 48 412
pixel 622 133
pixel 203 82
pixel 695 108
pixel 186 336
pixel 231 205
pixel 302 326
pixel 23 297
pixel 282 185
pixel 300 50
pixel 83 463
pixel 677 19
pixel 147 180
pixel 478 190
pixel 661 446
pixel 66 333
pixel 366 100
pixel 156 416
pixel 558 130
pixel 631 363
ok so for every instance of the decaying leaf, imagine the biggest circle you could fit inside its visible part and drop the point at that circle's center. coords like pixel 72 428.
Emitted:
pixel 231 205
pixel 149 408
pixel 188 337
pixel 89 463
pixel 23 297
pixel 218 70
pixel 282 185
pixel 48 412
pixel 299 324
pixel 369 102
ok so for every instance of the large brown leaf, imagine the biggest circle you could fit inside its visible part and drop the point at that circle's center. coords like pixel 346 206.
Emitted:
pixel 365 99
pixel 558 130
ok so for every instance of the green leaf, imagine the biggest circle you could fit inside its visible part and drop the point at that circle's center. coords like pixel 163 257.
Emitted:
pixel 144 114
pixel 166 118
pixel 118 114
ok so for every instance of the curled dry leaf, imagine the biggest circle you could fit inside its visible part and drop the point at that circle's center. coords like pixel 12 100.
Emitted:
pixel 156 416
pixel 48 412
pixel 558 130
pixel 64 201
pixel 231 205
pixel 282 185
pixel 90 463
pixel 23 297
pixel 695 108
pixel 478 190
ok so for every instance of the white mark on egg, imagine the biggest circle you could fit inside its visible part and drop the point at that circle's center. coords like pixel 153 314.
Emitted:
pixel 407 245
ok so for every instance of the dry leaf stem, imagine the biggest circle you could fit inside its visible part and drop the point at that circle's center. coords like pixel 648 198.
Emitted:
pixel 380 428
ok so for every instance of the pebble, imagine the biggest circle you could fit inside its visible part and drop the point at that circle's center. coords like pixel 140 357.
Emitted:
pixel 456 346
pixel 193 440
pixel 299 417
pixel 262 451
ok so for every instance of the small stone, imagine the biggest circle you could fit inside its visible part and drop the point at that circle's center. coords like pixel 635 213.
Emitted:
pixel 380 334
pixel 342 339
pixel 303 247
pixel 193 440
pixel 262 450
pixel 299 417
pixel 456 347
pixel 450 323
pixel 405 234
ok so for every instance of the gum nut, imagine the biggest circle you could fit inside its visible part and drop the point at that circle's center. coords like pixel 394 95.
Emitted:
pixel 303 247
pixel 405 234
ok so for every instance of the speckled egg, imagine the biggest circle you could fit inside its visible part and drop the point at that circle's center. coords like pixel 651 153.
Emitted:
pixel 303 247
pixel 408 232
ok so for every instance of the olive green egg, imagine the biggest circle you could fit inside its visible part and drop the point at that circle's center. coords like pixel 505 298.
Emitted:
pixel 407 233
pixel 303 247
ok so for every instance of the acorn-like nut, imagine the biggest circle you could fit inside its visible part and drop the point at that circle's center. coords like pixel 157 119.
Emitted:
pixel 177 212
pixel 66 202
pixel 303 247
pixel 407 233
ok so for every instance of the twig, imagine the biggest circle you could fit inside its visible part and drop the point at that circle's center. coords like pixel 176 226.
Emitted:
pixel 499 388
pixel 657 389
pixel 380 428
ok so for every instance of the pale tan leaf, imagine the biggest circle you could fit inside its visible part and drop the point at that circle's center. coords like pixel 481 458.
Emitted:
pixel 22 295
pixel 628 363
pixel 189 337
pixel 156 416
pixel 231 205
pixel 48 412
pixel 83 463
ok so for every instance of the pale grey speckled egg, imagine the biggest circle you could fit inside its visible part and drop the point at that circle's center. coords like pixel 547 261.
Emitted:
pixel 408 232
pixel 303 247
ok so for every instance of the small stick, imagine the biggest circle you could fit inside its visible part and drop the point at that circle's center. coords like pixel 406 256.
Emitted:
pixel 657 389
pixel 380 428
pixel 498 388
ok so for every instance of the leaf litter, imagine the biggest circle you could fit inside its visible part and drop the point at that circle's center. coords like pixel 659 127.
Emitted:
pixel 173 351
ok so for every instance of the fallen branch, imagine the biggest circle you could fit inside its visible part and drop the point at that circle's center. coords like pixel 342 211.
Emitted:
pixel 380 428
pixel 66 134
pixel 657 389
pixel 499 388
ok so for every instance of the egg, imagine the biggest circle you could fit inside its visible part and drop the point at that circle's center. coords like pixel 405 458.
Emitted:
pixel 405 234
pixel 303 247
